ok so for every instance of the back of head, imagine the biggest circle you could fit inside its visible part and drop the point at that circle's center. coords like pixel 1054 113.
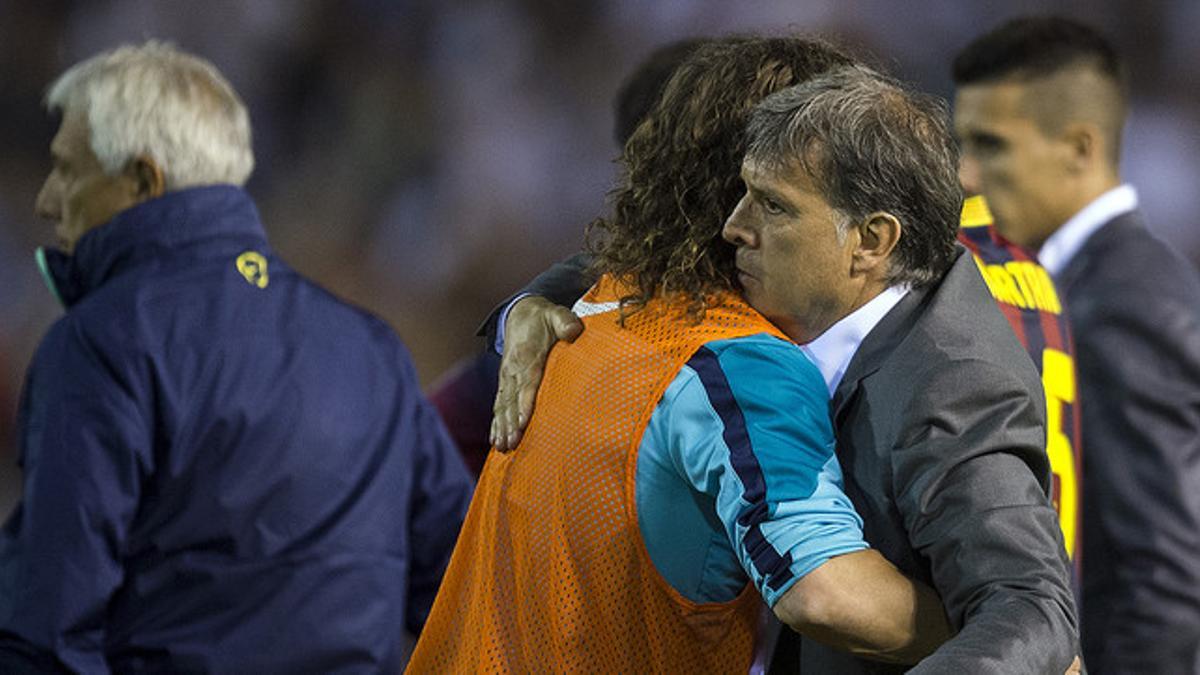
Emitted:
pixel 682 166
pixel 870 145
pixel 1033 47
pixel 1039 49
pixel 153 100
pixel 643 87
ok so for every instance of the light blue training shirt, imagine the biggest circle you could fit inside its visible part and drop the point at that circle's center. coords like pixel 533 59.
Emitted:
pixel 736 474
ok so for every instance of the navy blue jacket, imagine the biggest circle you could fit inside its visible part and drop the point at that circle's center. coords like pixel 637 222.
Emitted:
pixel 226 469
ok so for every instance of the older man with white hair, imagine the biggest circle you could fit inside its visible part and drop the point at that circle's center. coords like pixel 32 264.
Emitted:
pixel 225 468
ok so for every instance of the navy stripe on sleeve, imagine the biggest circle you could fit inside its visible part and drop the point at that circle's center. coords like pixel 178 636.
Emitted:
pixel 769 563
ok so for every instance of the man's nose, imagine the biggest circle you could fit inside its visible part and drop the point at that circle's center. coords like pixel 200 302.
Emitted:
pixel 734 231
pixel 48 205
pixel 968 175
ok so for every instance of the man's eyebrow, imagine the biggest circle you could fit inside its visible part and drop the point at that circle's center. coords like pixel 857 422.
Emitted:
pixel 768 191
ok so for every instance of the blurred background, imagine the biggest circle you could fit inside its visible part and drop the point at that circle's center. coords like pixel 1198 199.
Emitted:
pixel 424 158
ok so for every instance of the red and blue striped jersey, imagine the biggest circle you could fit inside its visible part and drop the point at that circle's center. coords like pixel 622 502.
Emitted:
pixel 1026 295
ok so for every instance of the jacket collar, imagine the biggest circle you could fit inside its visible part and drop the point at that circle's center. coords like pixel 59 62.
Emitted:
pixel 1108 235
pixel 148 231
pixel 891 330
pixel 1067 241
pixel 833 350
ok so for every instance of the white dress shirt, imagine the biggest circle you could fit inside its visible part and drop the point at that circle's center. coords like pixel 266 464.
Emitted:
pixel 834 348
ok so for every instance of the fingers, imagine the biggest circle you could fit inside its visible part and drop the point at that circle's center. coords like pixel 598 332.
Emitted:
pixel 526 395
pixel 564 323
pixel 514 400
pixel 534 324
pixel 506 427
pixel 502 417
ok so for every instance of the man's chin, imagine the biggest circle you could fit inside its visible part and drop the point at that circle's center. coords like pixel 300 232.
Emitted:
pixel 753 295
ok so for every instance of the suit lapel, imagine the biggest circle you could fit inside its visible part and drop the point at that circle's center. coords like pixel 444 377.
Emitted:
pixel 875 347
pixel 884 337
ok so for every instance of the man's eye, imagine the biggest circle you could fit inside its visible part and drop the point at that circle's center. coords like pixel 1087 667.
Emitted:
pixel 771 206
pixel 986 145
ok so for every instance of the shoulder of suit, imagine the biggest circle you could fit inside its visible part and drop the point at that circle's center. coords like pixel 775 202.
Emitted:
pixel 1126 264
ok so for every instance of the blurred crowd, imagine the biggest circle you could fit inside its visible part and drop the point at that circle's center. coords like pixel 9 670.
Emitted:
pixel 423 159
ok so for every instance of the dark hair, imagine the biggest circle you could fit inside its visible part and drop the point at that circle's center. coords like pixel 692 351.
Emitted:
pixel 644 86
pixel 1034 47
pixel 682 168
pixel 871 144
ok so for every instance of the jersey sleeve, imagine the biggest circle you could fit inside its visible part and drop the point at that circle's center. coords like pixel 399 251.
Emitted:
pixel 748 425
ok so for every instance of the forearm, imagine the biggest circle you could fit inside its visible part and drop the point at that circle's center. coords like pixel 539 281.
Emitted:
pixel 972 491
pixel 860 603
pixel 1002 575
pixel 1010 635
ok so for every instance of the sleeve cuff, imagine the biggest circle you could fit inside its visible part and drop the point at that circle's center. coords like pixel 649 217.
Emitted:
pixel 498 346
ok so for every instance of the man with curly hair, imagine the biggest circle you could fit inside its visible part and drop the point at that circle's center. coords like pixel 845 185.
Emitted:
pixel 658 494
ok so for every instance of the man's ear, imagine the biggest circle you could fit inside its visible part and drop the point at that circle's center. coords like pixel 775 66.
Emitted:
pixel 878 235
pixel 1084 144
pixel 147 177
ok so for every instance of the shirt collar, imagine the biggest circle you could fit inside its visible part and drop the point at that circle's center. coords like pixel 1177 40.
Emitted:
pixel 1068 239
pixel 146 232
pixel 834 348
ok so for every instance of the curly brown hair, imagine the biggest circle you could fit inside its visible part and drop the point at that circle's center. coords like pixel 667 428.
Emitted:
pixel 682 169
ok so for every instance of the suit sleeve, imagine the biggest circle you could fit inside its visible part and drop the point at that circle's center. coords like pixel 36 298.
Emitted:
pixel 564 283
pixel 1139 370
pixel 441 493
pixel 971 477
pixel 86 448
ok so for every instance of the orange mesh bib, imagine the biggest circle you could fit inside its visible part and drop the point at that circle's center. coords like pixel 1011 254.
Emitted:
pixel 550 573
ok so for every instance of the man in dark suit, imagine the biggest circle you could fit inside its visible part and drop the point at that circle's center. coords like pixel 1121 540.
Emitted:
pixel 938 412
pixel 1039 109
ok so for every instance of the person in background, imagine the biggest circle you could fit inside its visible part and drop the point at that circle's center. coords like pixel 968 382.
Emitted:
pixel 225 468
pixel 1040 107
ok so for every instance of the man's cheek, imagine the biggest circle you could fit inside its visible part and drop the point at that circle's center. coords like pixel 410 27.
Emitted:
pixel 88 207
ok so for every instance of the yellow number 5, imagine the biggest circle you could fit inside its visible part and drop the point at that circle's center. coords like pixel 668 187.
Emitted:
pixel 1058 378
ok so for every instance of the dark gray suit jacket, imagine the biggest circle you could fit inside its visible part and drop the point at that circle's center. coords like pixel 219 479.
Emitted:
pixel 940 423
pixel 941 433
pixel 1135 313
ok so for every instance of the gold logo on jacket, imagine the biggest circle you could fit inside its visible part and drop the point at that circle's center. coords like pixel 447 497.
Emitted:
pixel 253 266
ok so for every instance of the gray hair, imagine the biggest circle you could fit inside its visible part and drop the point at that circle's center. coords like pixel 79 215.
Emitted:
pixel 870 145
pixel 157 101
